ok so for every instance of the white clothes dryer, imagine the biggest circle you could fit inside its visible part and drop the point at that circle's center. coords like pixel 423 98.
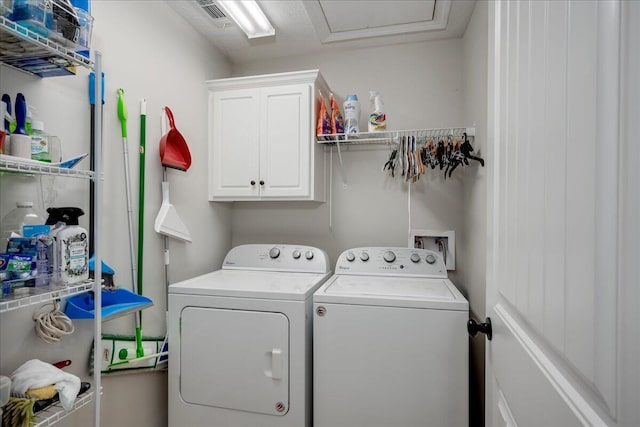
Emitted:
pixel 240 339
pixel 390 342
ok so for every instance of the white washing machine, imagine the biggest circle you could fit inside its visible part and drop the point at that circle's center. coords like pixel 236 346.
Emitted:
pixel 240 339
pixel 390 342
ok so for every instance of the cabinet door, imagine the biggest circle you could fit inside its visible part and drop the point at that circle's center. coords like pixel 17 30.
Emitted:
pixel 285 147
pixel 234 151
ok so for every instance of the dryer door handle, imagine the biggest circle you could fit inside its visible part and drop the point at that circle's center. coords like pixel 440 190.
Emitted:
pixel 277 363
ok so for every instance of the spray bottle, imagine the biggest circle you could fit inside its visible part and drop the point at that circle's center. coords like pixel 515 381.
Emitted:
pixel 377 118
pixel 56 221
pixel 70 246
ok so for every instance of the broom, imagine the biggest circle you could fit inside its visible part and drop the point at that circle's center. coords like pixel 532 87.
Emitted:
pixel 118 350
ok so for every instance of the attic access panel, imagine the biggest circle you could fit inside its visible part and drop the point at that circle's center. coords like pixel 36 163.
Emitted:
pixel 357 19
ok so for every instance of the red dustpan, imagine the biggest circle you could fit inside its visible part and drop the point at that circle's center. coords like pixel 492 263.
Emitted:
pixel 174 152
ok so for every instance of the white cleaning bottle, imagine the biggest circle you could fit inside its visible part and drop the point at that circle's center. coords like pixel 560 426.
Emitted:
pixel 351 114
pixel 70 246
pixel 377 119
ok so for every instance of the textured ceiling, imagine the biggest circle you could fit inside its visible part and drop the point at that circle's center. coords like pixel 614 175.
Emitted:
pixel 296 33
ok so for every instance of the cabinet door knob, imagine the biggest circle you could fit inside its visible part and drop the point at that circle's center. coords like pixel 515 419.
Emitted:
pixel 253 182
pixel 261 182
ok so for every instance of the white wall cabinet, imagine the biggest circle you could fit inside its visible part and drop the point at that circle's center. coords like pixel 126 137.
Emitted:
pixel 262 138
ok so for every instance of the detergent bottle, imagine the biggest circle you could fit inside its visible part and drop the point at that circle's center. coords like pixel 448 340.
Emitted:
pixel 70 246
pixel 377 118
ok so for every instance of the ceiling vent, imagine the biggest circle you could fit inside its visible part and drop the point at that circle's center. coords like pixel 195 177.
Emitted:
pixel 220 20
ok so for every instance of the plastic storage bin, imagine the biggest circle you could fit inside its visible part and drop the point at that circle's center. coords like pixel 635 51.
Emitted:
pixel 66 27
pixel 86 27
pixel 14 220
pixel 18 288
pixel 6 7
pixel 35 15
pixel 83 9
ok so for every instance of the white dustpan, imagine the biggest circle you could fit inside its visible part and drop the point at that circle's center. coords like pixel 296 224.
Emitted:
pixel 168 221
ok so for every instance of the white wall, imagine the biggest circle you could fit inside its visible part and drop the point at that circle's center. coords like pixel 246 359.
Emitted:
pixel 472 241
pixel 421 86
pixel 152 53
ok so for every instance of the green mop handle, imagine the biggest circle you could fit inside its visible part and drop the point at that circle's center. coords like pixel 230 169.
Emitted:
pixel 122 112
pixel 122 115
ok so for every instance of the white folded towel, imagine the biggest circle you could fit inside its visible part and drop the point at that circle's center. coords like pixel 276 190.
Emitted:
pixel 36 373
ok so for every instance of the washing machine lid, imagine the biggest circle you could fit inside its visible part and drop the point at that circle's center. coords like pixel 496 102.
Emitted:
pixel 409 292
pixel 252 284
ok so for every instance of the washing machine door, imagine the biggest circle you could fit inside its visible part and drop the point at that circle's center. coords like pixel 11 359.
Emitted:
pixel 235 359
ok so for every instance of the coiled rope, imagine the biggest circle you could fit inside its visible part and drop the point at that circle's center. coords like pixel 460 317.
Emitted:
pixel 52 325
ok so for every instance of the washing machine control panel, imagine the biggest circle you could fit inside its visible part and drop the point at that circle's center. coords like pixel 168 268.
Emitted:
pixel 275 257
pixel 391 261
pixel 274 253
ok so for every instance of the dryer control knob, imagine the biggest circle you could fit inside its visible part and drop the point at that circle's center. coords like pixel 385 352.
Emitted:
pixel 415 257
pixel 308 255
pixel 350 257
pixel 364 256
pixel 389 256
pixel 296 254
pixel 274 253
pixel 430 259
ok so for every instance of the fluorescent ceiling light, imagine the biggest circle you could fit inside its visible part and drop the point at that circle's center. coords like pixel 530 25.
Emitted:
pixel 248 16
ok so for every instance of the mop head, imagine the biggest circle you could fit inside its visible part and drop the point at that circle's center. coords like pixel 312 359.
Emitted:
pixel 18 412
pixel 119 354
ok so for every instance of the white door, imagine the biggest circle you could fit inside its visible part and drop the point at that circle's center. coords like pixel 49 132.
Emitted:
pixel 564 208
pixel 234 152
pixel 285 149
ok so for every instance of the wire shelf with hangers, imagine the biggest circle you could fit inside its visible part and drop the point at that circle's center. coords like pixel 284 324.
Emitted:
pixel 414 152
pixel 392 137
pixel 414 157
